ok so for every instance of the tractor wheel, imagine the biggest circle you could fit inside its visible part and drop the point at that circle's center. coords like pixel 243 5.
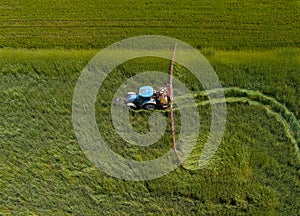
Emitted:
pixel 149 106
pixel 131 106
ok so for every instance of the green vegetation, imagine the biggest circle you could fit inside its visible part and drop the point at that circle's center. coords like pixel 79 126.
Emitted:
pixel 252 45
pixel 86 24
pixel 44 171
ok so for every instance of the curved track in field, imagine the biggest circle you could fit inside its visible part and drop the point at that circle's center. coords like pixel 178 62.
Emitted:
pixel 253 98
pixel 256 98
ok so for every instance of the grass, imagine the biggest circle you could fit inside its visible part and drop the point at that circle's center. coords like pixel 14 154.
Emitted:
pixel 44 171
pixel 252 45
pixel 95 24
pixel 272 107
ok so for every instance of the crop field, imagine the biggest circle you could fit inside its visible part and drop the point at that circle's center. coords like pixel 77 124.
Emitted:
pixel 253 47
pixel 255 170
pixel 95 24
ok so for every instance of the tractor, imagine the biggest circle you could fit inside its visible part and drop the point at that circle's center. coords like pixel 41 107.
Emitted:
pixel 147 98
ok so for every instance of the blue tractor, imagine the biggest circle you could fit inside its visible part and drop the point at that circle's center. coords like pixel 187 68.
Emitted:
pixel 147 98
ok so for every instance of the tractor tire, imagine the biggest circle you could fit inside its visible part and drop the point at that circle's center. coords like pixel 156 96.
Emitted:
pixel 149 107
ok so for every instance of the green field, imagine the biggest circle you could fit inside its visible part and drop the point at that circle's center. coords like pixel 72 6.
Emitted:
pixel 254 49
pixel 95 24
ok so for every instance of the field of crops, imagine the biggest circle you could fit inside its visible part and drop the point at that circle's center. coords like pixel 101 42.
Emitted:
pixel 86 24
pixel 255 170
pixel 253 47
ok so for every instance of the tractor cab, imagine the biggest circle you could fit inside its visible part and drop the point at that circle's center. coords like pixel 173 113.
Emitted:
pixel 143 100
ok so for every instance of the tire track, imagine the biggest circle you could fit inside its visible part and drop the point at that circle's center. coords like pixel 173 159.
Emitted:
pixel 256 98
